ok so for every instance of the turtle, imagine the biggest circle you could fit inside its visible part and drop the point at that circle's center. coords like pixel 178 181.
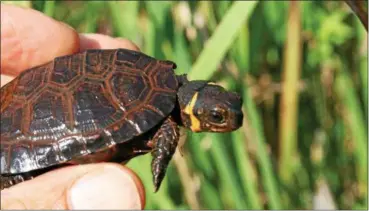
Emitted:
pixel 105 105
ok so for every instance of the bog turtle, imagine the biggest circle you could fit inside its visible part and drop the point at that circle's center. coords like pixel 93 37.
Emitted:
pixel 105 105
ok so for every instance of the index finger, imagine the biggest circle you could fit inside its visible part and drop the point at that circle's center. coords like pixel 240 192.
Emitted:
pixel 100 41
pixel 30 38
pixel 93 41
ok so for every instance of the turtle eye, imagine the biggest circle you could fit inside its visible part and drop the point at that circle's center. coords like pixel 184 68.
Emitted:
pixel 216 116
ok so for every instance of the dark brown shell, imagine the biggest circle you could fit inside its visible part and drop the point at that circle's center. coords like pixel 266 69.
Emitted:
pixel 80 104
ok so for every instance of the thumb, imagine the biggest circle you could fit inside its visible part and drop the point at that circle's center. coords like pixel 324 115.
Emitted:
pixel 92 186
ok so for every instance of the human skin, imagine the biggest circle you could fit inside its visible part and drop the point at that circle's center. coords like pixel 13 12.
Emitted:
pixel 29 38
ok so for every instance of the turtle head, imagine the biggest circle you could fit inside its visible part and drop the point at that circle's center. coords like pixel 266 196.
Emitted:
pixel 207 107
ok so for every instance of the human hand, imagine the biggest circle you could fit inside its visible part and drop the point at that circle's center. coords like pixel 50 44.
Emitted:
pixel 29 38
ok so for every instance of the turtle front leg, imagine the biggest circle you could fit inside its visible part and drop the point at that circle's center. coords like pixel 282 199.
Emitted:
pixel 164 143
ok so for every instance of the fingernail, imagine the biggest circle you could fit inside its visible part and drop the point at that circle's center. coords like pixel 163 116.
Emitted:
pixel 110 188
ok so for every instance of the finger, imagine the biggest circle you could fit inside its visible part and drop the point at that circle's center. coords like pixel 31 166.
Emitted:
pixel 30 38
pixel 94 41
pixel 92 186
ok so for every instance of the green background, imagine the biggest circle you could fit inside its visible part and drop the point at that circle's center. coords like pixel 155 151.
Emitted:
pixel 302 70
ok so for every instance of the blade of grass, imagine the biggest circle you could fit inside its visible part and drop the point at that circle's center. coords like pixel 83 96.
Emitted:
pixel 364 78
pixel 124 17
pixel 268 176
pixel 49 8
pixel 260 39
pixel 207 9
pixel 217 46
pixel 221 7
pixel 357 127
pixel 91 19
pixel 158 11
pixel 200 156
pixel 225 170
pixel 181 53
pixel 162 198
pixel 210 196
pixel 185 174
pixel 363 63
pixel 149 36
pixel 245 169
pixel 158 14
pixel 240 52
pixel 289 97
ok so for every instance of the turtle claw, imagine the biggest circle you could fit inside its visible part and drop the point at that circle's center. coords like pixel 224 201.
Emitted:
pixel 159 168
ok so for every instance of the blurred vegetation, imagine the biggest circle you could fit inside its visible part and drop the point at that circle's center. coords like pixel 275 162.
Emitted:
pixel 302 69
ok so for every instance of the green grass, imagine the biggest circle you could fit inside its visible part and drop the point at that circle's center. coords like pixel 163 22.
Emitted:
pixel 220 41
pixel 305 103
